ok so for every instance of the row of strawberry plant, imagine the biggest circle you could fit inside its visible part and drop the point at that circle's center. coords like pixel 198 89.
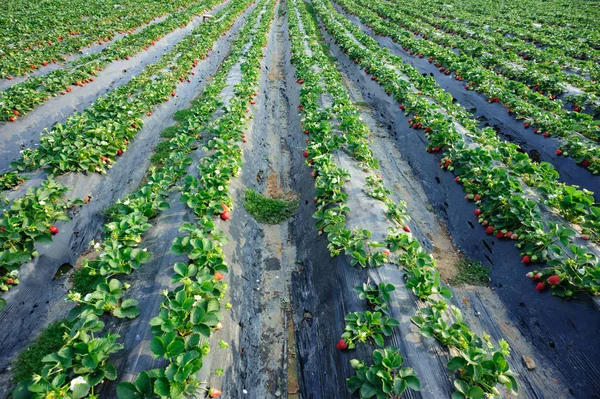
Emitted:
pixel 540 176
pixel 26 224
pixel 475 156
pixel 545 83
pixel 515 96
pixel 544 39
pixel 93 139
pixel 540 69
pixel 29 220
pixel 36 35
pixel 23 97
pixel 190 312
pixel 68 369
pixel 385 379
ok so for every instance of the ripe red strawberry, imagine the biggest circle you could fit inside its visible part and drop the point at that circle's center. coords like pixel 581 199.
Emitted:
pixel 546 134
pixel 477 197
pixel 402 107
pixel 247 110
pixel 526 124
pixel 553 280
pixel 499 234
pixel 477 212
pixel 457 179
pixel 386 252
pixel 526 259
pixel 9 78
pixel 341 344
pixel 173 93
pixel 149 113
pixel 559 151
pixel 508 234
pixel 585 163
pixel 585 237
pixel 406 228
pixel 119 152
pixel 214 393
pixel 219 276
pixel 53 230
pixel 489 230
pixel 514 237
pixel 537 276
pixel 225 215
pixel 305 154
pixel 252 102
pixel 306 131
pixel 12 118
pixel 245 141
pixel 540 286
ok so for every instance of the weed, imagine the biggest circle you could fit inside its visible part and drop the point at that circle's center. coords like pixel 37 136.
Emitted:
pixel 470 272
pixel 269 210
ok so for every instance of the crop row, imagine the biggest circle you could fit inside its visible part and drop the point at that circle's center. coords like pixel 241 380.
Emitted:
pixel 190 311
pixel 535 64
pixel 23 97
pixel 494 173
pixel 478 364
pixel 92 140
pixel 83 362
pixel 17 241
pixel 573 47
pixel 46 34
pixel 577 132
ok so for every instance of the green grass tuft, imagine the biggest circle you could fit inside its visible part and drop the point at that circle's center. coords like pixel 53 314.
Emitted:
pixel 84 282
pixel 268 210
pixel 182 115
pixel 169 132
pixel 470 272
pixel 29 360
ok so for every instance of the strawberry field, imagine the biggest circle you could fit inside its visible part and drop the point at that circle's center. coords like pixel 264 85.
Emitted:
pixel 299 199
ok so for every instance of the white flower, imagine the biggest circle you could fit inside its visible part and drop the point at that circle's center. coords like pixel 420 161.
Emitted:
pixel 126 202
pixel 77 381
pixel 97 245
pixel 581 271
pixel 220 188
pixel 217 172
pixel 77 296
pixel 14 273
pixel 87 297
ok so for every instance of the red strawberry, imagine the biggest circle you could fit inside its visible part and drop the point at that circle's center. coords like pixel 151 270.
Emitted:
pixel 508 234
pixel 406 228
pixel 559 151
pixel 477 197
pixel 457 179
pixel 306 131
pixel 499 234
pixel 514 237
pixel 149 113
pixel 585 163
pixel 219 276
pixel 537 276
pixel 12 118
pixel 214 393
pixel 526 259
pixel 305 154
pixel 53 230
pixel 252 102
pixel 553 280
pixel 386 252
pixel 225 215
pixel 173 93
pixel 526 124
pixel 585 237
pixel 477 212
pixel 402 107
pixel 546 134
pixel 540 286
pixel 489 230
pixel 119 152
pixel 341 344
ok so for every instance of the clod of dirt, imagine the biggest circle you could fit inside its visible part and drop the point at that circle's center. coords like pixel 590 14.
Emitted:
pixel 528 362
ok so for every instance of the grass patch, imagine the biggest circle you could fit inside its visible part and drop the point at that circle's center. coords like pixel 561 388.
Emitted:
pixel 182 115
pixel 470 272
pixel 84 282
pixel 169 132
pixel 29 360
pixel 269 210
pixel 161 152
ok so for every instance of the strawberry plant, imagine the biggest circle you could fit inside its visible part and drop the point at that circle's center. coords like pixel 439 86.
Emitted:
pixel 385 378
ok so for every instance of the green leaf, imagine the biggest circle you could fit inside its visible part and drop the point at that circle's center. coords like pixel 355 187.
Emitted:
pixel 156 346
pixel 456 363
pixel 476 392
pixel 353 383
pixel 126 390
pixel 367 390
pixel 80 391
pixel 413 383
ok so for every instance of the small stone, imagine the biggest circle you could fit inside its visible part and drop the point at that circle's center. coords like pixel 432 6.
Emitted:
pixel 528 362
